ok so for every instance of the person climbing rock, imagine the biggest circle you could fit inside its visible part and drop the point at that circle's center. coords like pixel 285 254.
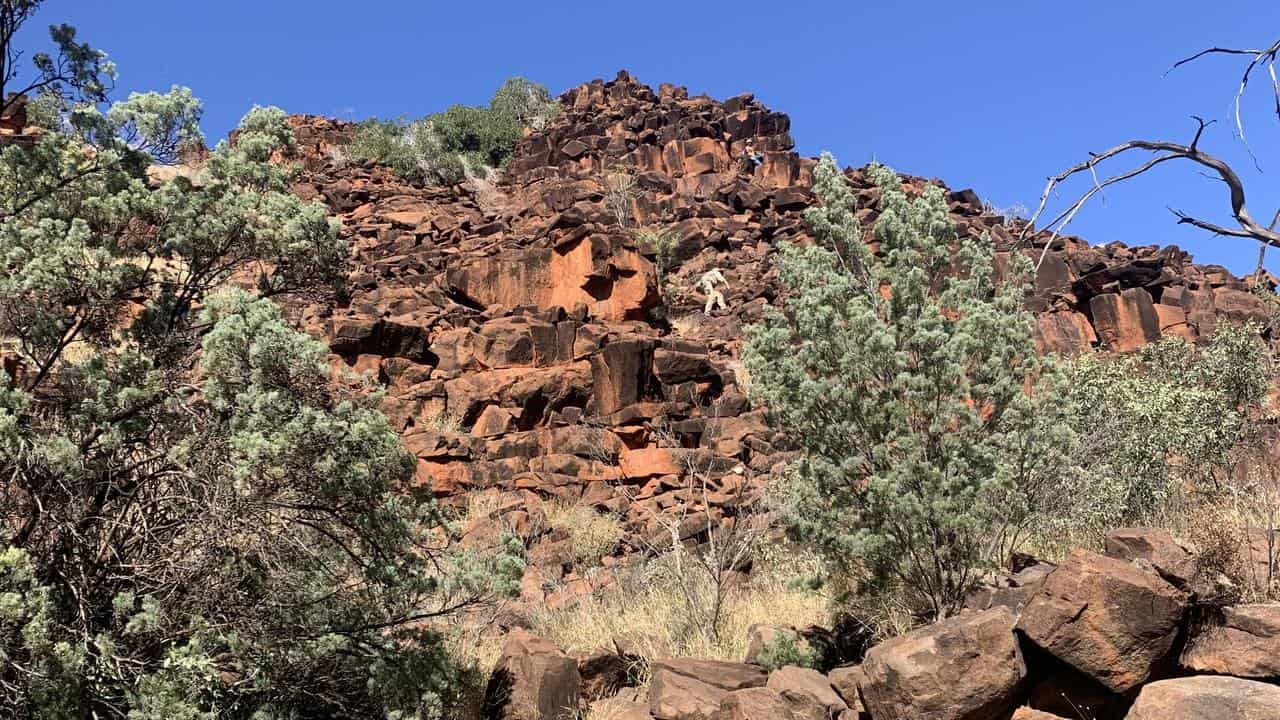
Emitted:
pixel 751 158
pixel 707 283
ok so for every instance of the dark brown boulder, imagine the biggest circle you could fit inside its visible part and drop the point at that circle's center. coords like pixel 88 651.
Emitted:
pixel 754 704
pixel 1108 618
pixel 619 373
pixel 1173 559
pixel 965 668
pixel 846 681
pixel 1127 321
pixel 807 693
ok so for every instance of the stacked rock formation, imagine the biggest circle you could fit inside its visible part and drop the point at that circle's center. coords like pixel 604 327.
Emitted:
pixel 529 353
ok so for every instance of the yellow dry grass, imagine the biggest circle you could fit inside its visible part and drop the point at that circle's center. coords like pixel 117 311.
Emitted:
pixel 648 611
pixel 593 535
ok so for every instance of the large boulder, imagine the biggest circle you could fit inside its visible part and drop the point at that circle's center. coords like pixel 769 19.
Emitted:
pixel 1108 618
pixel 1244 641
pixel 965 668
pixel 1125 321
pixel 686 689
pixel 532 680
pixel 1207 698
pixel 807 693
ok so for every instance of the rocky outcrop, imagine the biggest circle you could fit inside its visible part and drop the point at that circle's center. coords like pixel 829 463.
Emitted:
pixel 532 680
pixel 528 352
pixel 807 694
pixel 685 689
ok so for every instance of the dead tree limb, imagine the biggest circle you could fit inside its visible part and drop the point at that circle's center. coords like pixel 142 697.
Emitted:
pixel 1246 226
pixel 1260 58
pixel 1165 151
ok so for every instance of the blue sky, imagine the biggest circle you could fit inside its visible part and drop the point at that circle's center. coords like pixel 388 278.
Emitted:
pixel 993 95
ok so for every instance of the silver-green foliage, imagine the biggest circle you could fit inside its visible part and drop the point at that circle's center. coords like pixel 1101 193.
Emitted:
pixel 196 521
pixel 903 378
pixel 1160 426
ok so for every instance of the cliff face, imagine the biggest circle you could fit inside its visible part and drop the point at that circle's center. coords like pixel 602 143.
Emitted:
pixel 527 350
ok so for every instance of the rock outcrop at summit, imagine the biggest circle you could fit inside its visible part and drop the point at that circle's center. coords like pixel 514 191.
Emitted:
pixel 528 352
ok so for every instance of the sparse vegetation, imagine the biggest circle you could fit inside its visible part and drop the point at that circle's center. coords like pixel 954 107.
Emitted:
pixel 592 534
pixel 662 244
pixel 620 196
pixel 647 609
pixel 446 147
pixel 1163 429
pixel 784 649
pixel 443 421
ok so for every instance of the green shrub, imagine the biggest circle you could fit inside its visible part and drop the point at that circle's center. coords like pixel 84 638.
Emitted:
pixel 412 150
pixel 1168 421
pixel 442 148
pixel 528 102
pixel 784 649
pixel 902 378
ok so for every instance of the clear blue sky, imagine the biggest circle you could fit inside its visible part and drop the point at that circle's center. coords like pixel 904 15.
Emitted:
pixel 993 95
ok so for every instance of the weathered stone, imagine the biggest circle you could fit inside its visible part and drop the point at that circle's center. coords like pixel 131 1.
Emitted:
pixel 1127 321
pixel 846 681
pixel 1174 560
pixel 1108 618
pixel 1207 698
pixel 807 693
pixel 965 668
pixel 685 689
pixel 619 372
pixel 1243 640
pixel 754 704
pixel 532 680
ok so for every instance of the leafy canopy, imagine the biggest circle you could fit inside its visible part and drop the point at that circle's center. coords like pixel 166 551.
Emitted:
pixel 903 377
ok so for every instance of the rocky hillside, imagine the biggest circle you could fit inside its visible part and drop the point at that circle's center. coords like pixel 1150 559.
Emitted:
pixel 529 352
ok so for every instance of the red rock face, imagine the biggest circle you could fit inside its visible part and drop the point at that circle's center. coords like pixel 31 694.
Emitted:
pixel 505 317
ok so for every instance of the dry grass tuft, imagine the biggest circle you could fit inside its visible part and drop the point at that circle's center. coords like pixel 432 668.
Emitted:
pixel 443 422
pixel 647 611
pixel 593 535
pixel 686 324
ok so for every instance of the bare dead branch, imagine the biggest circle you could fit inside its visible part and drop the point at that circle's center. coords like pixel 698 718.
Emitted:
pixel 1165 151
pixel 1259 58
